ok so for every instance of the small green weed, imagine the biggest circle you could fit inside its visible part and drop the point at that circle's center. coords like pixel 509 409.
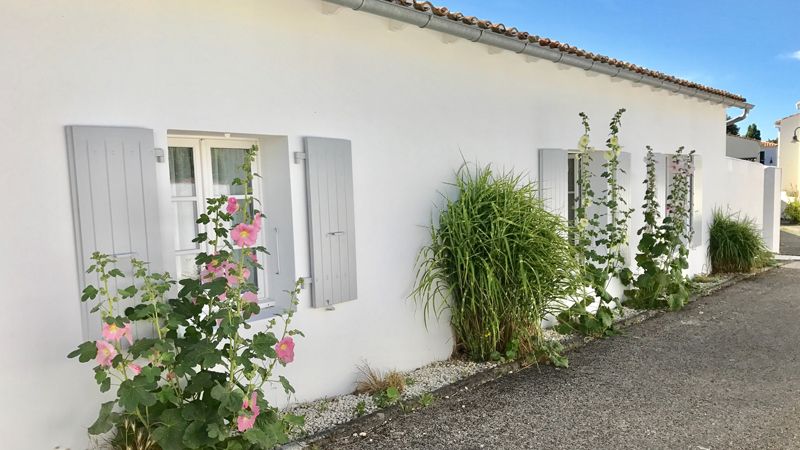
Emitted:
pixel 426 400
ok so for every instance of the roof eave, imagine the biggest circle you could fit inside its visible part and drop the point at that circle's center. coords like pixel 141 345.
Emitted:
pixel 425 19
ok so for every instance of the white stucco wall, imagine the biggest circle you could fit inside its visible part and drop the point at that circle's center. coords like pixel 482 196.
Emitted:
pixel 411 105
pixel 739 188
pixel 739 147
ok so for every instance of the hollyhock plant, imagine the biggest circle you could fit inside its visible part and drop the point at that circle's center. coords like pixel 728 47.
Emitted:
pixel 204 357
pixel 285 350
pixel 105 353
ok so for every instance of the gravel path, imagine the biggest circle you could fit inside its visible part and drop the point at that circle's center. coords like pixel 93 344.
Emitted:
pixel 723 373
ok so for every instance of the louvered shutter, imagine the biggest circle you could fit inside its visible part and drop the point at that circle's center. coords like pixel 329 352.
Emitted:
pixel 115 202
pixel 329 178
pixel 553 182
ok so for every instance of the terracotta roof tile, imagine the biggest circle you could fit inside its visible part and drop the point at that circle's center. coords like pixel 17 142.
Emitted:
pixel 499 28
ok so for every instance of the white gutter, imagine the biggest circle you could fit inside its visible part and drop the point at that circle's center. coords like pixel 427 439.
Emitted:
pixel 742 116
pixel 428 20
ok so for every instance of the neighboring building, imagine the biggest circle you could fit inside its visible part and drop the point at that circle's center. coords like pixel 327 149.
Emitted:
pixel 749 149
pixel 789 150
pixel 121 118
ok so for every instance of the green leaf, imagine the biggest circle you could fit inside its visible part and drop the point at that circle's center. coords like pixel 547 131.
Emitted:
pixel 169 434
pixel 132 395
pixel 90 292
pixel 263 343
pixel 116 273
pixel 104 420
pixel 260 438
pixel 85 352
pixel 196 435
pixel 285 383
pixel 128 292
pixel 150 373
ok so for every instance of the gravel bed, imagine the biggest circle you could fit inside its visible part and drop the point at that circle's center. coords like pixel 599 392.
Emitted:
pixel 328 412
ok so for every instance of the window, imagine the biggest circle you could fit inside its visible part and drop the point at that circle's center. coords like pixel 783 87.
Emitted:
pixel 199 169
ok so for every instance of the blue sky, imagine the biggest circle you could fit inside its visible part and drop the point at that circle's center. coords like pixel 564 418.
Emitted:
pixel 751 48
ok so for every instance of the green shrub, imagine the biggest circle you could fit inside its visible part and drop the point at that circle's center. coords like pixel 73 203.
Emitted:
pixel 792 211
pixel 497 259
pixel 735 244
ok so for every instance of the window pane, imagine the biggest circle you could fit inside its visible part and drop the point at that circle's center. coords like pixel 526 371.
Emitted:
pixel 181 171
pixel 187 267
pixel 226 165
pixel 186 228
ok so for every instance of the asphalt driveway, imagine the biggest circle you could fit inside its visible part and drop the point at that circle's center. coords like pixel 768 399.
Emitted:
pixel 724 373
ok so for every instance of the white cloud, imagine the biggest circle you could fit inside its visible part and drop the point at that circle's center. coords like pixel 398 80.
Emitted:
pixel 795 55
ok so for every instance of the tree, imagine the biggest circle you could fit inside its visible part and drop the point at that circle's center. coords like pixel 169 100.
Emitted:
pixel 732 128
pixel 753 132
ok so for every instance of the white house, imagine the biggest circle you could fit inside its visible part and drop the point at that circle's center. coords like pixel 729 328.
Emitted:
pixel 120 118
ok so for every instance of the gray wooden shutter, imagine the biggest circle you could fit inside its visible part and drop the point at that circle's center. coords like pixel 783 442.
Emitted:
pixel 553 183
pixel 329 180
pixel 114 202
pixel 697 202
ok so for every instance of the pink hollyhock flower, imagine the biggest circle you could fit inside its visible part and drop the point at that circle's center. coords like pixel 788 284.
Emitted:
pixel 244 235
pixel 222 297
pixel 253 257
pixel 135 368
pixel 233 280
pixel 111 332
pixel 232 206
pixel 250 297
pixel 285 350
pixel 244 423
pixel 257 222
pixel 105 353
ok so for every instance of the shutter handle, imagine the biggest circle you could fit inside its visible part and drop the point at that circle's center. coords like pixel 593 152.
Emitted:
pixel 277 253
pixel 336 233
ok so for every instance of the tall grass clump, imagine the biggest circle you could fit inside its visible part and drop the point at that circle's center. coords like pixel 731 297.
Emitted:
pixel 735 244
pixel 497 260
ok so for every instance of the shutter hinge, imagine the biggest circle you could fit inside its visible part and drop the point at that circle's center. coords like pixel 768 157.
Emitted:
pixel 159 154
pixel 299 157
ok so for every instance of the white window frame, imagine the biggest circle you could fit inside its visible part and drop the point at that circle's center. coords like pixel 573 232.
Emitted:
pixel 204 190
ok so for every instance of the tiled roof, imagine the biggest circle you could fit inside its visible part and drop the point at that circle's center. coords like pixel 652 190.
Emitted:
pixel 501 29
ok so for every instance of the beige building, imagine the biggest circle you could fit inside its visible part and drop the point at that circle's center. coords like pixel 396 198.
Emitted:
pixel 788 148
